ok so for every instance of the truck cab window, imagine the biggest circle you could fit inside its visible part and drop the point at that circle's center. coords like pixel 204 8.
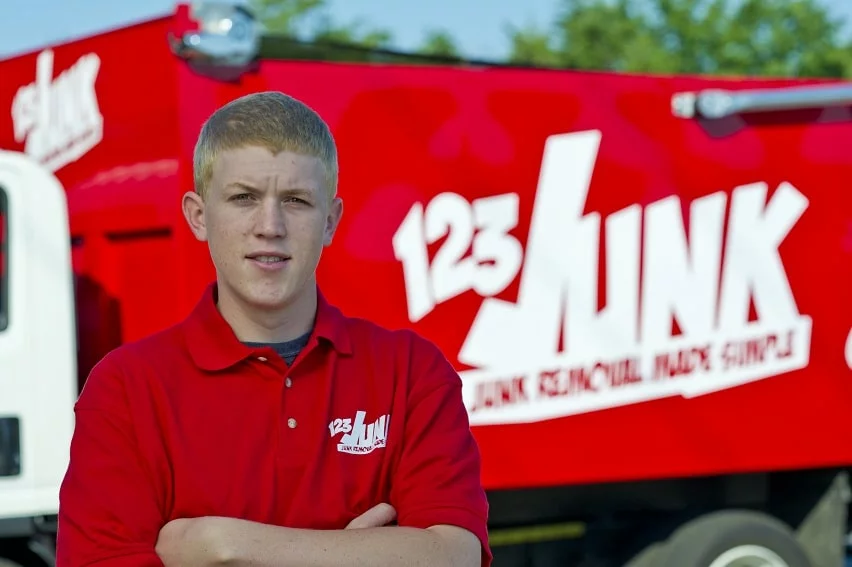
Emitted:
pixel 4 261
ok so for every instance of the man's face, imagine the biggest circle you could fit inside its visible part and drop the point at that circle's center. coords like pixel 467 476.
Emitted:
pixel 266 219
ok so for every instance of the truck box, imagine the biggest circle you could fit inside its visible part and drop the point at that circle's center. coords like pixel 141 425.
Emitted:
pixel 643 280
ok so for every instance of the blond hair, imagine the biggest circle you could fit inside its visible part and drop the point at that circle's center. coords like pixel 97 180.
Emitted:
pixel 272 120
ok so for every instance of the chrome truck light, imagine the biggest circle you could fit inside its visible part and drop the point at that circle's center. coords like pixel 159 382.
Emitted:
pixel 720 103
pixel 218 33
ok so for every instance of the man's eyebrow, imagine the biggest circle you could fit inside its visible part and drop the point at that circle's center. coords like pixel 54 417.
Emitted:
pixel 288 192
pixel 298 192
pixel 242 186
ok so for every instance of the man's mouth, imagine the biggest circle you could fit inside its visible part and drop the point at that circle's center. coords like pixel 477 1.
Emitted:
pixel 268 259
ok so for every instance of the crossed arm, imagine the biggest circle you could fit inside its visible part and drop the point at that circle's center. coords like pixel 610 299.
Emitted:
pixel 213 541
pixel 113 499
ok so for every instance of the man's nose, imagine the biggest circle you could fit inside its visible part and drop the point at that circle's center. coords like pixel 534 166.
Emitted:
pixel 271 222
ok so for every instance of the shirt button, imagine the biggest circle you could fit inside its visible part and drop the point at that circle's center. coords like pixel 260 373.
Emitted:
pixel 288 382
pixel 292 423
pixel 261 358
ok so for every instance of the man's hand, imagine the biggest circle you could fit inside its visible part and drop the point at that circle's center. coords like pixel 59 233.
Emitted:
pixel 376 517
pixel 197 542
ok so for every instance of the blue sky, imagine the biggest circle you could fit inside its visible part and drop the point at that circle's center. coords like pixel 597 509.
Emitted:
pixel 478 25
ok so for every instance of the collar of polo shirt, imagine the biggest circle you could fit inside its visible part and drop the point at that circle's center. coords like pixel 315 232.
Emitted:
pixel 214 346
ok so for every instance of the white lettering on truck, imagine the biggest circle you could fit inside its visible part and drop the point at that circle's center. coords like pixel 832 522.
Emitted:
pixel 59 118
pixel 553 353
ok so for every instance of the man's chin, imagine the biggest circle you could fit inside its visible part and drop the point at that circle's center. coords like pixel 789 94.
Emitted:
pixel 271 302
pixel 267 295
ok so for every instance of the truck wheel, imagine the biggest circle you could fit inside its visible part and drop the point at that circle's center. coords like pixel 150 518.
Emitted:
pixel 733 538
pixel 648 557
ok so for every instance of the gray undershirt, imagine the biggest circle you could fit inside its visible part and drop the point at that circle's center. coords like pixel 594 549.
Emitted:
pixel 288 350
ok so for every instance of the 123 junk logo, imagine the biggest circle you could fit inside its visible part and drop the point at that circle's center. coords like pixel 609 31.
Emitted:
pixel 704 280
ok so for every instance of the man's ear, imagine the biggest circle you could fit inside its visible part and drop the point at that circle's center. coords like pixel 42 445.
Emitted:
pixel 332 220
pixel 193 212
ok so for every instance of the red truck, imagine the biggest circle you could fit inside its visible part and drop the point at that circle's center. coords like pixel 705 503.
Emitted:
pixel 644 281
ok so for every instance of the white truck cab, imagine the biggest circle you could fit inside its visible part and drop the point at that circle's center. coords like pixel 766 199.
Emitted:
pixel 38 382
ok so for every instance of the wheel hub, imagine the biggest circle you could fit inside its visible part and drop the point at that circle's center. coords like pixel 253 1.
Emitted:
pixel 749 556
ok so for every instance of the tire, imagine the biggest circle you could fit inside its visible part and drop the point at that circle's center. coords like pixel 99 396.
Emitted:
pixel 731 538
pixel 648 557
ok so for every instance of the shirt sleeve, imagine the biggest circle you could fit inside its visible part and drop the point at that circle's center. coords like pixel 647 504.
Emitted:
pixel 110 511
pixel 438 477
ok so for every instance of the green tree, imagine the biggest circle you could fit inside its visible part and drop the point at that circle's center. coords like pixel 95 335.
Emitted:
pixel 357 33
pixel 288 17
pixel 440 44
pixel 284 16
pixel 740 37
pixel 533 46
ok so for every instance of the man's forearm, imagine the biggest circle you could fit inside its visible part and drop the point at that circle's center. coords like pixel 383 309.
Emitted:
pixel 252 544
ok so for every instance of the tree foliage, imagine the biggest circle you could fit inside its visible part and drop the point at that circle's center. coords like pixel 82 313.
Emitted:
pixel 722 37
pixel 439 43
pixel 292 18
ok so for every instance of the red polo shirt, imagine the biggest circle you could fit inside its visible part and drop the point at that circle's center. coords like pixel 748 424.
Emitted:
pixel 190 422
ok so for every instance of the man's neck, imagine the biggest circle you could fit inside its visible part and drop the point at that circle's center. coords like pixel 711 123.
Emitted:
pixel 261 325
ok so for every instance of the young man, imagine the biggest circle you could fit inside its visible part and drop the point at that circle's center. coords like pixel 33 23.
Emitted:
pixel 268 428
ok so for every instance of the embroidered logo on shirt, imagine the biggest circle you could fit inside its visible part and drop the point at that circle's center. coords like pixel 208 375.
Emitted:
pixel 360 438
